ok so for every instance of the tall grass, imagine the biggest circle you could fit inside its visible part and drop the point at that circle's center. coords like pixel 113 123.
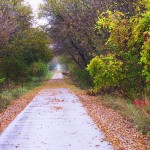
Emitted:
pixel 7 95
pixel 138 115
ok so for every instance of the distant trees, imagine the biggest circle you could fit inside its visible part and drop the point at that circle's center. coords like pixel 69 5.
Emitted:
pixel 21 45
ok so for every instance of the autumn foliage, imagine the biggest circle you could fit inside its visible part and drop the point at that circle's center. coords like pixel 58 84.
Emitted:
pixel 109 38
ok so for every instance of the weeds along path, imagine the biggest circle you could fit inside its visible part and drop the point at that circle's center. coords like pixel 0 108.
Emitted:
pixel 54 120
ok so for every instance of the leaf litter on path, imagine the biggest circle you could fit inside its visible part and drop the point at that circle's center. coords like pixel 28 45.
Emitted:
pixel 121 133
pixel 118 131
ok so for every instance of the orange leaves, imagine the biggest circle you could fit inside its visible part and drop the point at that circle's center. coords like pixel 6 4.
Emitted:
pixel 118 131
pixel 57 108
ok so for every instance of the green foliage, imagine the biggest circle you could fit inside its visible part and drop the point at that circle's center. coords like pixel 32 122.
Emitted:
pixel 27 48
pixel 141 39
pixel 20 44
pixel 32 44
pixel 5 99
pixel 49 75
pixel 16 93
pixel 2 80
pixel 80 76
pixel 14 68
pixel 116 24
pixel 39 69
pixel 106 71
pixel 142 33
pixel 145 53
pixel 8 95
pixel 128 41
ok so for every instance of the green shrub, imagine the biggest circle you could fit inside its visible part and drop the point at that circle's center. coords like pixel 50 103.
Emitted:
pixel 146 60
pixel 81 77
pixel 128 38
pixel 39 69
pixel 5 99
pixel 49 75
pixel 106 71
pixel 18 92
pixel 2 80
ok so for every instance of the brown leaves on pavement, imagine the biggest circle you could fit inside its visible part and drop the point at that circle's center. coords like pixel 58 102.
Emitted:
pixel 121 133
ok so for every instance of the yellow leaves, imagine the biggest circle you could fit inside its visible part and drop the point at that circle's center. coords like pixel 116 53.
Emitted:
pixel 141 22
pixel 145 58
pixel 106 71
pixel 117 25
pixel 109 19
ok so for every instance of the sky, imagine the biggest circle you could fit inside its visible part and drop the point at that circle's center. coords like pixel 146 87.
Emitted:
pixel 35 4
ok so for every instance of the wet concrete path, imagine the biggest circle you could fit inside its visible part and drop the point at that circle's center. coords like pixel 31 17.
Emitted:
pixel 54 120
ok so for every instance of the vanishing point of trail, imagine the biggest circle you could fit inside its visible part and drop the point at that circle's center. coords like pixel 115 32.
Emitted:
pixel 54 120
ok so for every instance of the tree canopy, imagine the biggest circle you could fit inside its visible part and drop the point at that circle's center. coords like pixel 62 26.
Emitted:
pixel 21 44
pixel 114 35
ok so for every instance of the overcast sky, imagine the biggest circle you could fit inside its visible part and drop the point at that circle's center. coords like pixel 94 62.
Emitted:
pixel 35 4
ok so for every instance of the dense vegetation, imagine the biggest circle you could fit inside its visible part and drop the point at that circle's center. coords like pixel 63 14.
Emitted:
pixel 105 44
pixel 24 50
pixel 109 39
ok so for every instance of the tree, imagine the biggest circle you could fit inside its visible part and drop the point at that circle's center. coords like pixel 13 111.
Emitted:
pixel 73 26
pixel 14 18
pixel 128 41
pixel 26 48
pixel 21 45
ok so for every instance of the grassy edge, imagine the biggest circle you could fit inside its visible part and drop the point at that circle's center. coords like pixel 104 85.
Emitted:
pixel 9 95
pixel 139 116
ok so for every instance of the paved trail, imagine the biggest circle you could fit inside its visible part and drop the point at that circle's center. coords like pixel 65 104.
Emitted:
pixel 54 120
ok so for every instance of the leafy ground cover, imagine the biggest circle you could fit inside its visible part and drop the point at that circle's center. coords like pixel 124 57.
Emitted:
pixel 117 128
pixel 138 114
pixel 119 131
